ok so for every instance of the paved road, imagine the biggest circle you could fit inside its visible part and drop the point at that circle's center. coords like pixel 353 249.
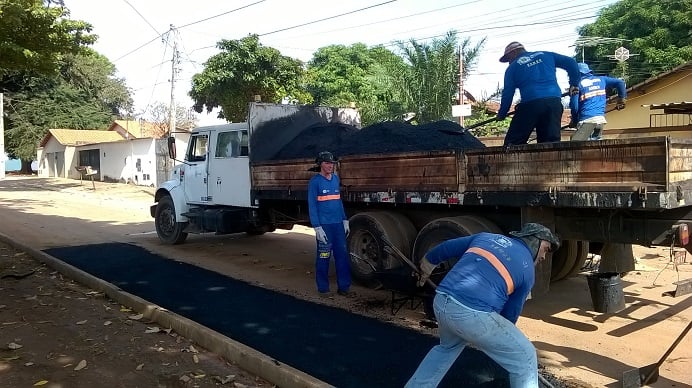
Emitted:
pixel 572 340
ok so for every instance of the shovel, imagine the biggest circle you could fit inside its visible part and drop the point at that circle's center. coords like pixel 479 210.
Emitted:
pixel 481 123
pixel 649 374
pixel 472 126
pixel 390 248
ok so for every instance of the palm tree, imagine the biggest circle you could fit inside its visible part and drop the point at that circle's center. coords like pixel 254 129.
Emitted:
pixel 428 82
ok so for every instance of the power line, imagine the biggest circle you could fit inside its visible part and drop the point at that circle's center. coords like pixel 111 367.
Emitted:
pixel 142 16
pixel 327 18
pixel 221 14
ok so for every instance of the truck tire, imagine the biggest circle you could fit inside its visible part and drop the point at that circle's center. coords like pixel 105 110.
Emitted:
pixel 564 260
pixel 168 229
pixel 582 255
pixel 366 246
pixel 440 230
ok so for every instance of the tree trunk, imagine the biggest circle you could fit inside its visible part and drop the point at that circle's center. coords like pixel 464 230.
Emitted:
pixel 26 168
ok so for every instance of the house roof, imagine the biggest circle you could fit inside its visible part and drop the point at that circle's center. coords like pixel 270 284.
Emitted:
pixel 684 107
pixel 75 137
pixel 136 129
pixel 652 80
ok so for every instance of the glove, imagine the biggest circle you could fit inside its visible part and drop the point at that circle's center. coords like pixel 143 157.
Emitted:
pixel 347 229
pixel 426 268
pixel 574 90
pixel 321 236
pixel 620 105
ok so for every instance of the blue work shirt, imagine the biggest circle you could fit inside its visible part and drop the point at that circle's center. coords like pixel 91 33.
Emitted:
pixel 476 283
pixel 593 93
pixel 534 74
pixel 324 201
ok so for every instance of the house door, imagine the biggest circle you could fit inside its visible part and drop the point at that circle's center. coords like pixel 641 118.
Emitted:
pixel 91 158
pixel 60 164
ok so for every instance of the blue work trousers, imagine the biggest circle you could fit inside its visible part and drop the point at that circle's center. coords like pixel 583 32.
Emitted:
pixel 336 236
pixel 544 114
pixel 491 333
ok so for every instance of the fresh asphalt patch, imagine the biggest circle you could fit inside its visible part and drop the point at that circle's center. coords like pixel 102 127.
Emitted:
pixel 331 344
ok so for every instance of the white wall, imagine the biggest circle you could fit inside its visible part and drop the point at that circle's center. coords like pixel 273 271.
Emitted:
pixel 130 161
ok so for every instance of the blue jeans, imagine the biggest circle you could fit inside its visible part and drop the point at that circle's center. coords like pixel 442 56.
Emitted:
pixel 336 235
pixel 491 333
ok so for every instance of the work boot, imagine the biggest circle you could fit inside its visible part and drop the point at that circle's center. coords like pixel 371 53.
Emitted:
pixel 347 294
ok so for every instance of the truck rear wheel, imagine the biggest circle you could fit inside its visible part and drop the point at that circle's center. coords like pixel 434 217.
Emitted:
pixel 582 255
pixel 442 229
pixel 570 255
pixel 366 246
pixel 168 229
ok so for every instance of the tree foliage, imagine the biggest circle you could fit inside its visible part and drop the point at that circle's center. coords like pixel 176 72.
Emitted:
pixel 657 31
pixel 339 75
pixel 160 117
pixel 82 95
pixel 34 37
pixel 428 85
pixel 243 69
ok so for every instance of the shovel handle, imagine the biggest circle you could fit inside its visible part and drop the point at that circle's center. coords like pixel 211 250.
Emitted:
pixel 667 353
pixel 391 248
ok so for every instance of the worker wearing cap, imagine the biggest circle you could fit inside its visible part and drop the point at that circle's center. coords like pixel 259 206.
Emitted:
pixel 328 218
pixel 533 73
pixel 479 301
pixel 588 107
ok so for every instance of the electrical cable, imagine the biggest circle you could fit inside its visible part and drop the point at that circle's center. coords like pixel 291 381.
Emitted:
pixel 327 18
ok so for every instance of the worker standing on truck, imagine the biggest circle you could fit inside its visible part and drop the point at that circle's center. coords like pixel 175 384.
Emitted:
pixel 328 218
pixel 588 107
pixel 533 73
pixel 479 301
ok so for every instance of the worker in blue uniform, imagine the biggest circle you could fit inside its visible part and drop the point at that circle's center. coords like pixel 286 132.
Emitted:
pixel 329 220
pixel 588 107
pixel 534 74
pixel 479 301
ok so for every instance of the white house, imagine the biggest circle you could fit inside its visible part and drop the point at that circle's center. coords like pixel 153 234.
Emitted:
pixel 128 152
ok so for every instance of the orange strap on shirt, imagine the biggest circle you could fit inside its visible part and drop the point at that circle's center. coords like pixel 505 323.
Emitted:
pixel 328 197
pixel 498 266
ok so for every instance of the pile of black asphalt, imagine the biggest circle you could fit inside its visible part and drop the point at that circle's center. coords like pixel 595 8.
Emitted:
pixel 384 137
pixel 331 344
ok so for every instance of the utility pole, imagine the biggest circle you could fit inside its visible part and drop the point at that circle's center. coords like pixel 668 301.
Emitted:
pixel 174 74
pixel 2 137
pixel 461 85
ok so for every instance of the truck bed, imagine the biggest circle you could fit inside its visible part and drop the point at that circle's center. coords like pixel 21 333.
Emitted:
pixel 643 173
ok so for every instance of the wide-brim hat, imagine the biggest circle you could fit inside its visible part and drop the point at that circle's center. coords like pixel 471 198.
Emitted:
pixel 540 232
pixel 511 48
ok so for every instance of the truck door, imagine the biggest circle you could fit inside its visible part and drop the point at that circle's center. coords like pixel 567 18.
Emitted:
pixel 229 171
pixel 196 173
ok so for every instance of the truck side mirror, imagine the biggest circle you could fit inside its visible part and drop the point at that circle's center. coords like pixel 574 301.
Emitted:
pixel 171 147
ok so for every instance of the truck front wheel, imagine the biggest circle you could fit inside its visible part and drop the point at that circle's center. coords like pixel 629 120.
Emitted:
pixel 169 230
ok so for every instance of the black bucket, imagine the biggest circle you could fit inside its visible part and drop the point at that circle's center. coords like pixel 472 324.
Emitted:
pixel 606 292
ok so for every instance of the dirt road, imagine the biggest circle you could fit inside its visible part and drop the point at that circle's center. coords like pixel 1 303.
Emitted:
pixel 573 341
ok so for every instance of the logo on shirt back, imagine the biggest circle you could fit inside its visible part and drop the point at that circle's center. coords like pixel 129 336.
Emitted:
pixel 503 241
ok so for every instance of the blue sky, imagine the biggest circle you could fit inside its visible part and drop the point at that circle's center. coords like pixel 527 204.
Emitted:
pixel 133 33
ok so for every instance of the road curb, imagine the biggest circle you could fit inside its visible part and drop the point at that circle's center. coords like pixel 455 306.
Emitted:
pixel 245 357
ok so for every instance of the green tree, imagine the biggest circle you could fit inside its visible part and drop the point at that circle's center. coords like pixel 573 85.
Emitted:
pixel 658 31
pixel 339 75
pixel 428 85
pixel 84 94
pixel 243 69
pixel 34 35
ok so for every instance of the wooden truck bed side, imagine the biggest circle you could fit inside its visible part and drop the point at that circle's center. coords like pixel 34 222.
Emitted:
pixel 657 171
